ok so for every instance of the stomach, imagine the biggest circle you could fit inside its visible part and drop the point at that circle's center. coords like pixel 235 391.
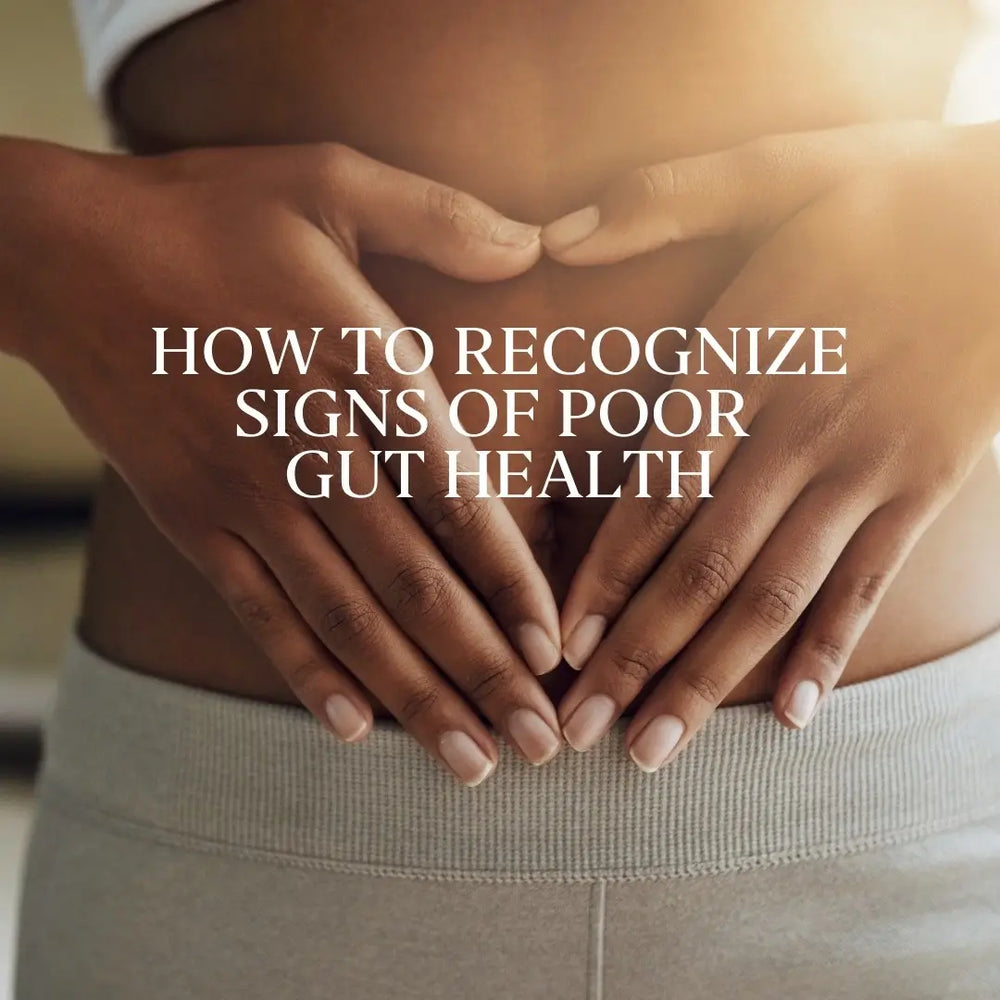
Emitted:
pixel 533 107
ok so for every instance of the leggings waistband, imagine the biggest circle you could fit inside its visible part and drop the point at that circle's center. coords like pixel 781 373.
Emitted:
pixel 885 761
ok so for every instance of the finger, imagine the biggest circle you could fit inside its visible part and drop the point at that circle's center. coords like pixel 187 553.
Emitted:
pixel 752 186
pixel 344 614
pixel 463 515
pixel 689 586
pixel 842 610
pixel 316 678
pixel 368 205
pixel 426 600
pixel 656 505
pixel 765 605
pixel 460 512
pixel 637 532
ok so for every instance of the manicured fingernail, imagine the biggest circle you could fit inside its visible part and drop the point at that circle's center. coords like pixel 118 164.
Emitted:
pixel 583 640
pixel 571 229
pixel 533 735
pixel 515 234
pixel 345 719
pixel 803 702
pixel 656 742
pixel 465 757
pixel 589 722
pixel 539 651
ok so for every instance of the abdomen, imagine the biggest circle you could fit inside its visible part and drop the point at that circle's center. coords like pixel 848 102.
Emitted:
pixel 532 106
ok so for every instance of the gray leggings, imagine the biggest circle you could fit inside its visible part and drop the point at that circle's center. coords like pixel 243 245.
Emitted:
pixel 193 845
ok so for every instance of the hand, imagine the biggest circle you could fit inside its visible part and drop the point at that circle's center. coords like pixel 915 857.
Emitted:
pixel 342 595
pixel 889 231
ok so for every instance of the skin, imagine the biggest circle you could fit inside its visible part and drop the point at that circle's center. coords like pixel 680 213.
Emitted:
pixel 810 527
pixel 363 574
pixel 549 146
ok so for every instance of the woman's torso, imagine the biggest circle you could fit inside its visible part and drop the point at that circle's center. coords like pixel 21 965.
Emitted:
pixel 533 106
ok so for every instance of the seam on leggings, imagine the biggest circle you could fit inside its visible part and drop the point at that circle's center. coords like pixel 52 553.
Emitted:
pixel 595 944
pixel 63 801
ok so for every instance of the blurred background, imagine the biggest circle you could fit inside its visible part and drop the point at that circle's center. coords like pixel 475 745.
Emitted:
pixel 46 469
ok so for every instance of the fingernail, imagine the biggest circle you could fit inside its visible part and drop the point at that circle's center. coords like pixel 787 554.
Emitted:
pixel 345 719
pixel 803 702
pixel 656 742
pixel 515 234
pixel 465 757
pixel 533 735
pixel 539 651
pixel 589 722
pixel 571 229
pixel 583 640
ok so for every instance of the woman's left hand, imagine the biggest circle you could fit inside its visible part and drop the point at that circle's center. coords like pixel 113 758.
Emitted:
pixel 889 231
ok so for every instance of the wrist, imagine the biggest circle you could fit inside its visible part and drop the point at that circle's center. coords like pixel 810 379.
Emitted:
pixel 975 152
pixel 42 189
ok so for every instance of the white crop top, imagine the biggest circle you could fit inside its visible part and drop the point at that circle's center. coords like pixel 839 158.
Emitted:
pixel 110 29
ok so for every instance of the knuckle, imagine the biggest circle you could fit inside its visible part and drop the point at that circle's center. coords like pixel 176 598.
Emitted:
pixel 242 497
pixel 459 512
pixel 301 673
pixel 616 579
pixel 350 621
pixel 664 513
pixel 491 677
pixel 635 663
pixel 420 590
pixel 708 574
pixel 336 170
pixel 234 485
pixel 510 594
pixel 656 183
pixel 418 704
pixel 702 686
pixel 829 650
pixel 869 588
pixel 253 611
pixel 335 158
pixel 854 488
pixel 776 602
pixel 821 417
pixel 461 211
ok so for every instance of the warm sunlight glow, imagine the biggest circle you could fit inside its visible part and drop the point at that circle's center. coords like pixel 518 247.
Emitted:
pixel 975 95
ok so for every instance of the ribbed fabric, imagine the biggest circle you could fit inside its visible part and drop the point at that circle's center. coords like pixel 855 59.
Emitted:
pixel 884 761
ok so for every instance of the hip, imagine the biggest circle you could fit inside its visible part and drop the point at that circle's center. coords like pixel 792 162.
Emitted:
pixel 196 844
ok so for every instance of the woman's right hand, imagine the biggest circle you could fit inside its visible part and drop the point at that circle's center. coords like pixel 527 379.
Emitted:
pixel 100 249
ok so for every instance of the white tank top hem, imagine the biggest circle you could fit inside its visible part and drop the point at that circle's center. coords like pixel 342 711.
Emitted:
pixel 109 30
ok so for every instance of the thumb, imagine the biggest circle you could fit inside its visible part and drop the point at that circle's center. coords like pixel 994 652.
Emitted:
pixel 378 208
pixel 753 186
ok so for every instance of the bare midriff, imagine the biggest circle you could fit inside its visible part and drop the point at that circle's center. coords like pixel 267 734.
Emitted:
pixel 533 105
